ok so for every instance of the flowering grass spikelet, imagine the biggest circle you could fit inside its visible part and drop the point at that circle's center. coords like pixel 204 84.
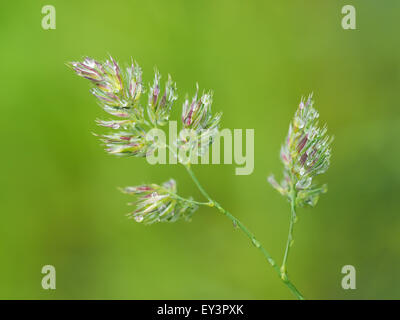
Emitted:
pixel 197 114
pixel 118 91
pixel 305 154
pixel 159 203
pixel 159 106
pixel 198 118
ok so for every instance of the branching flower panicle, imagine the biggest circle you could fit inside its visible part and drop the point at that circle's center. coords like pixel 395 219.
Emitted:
pixel 119 93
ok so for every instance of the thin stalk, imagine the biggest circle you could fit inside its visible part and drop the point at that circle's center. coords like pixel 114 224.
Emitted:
pixel 174 195
pixel 290 239
pixel 248 233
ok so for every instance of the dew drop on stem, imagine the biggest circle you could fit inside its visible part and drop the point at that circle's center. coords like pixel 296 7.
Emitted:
pixel 256 243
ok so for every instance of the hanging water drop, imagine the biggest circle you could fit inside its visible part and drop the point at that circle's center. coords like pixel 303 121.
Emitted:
pixel 304 183
pixel 154 194
pixel 139 218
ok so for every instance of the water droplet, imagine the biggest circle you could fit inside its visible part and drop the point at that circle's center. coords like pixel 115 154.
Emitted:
pixel 271 262
pixel 304 183
pixel 256 243
pixel 302 171
pixel 139 218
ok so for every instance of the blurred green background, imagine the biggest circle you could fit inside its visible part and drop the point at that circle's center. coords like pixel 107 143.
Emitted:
pixel 59 201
